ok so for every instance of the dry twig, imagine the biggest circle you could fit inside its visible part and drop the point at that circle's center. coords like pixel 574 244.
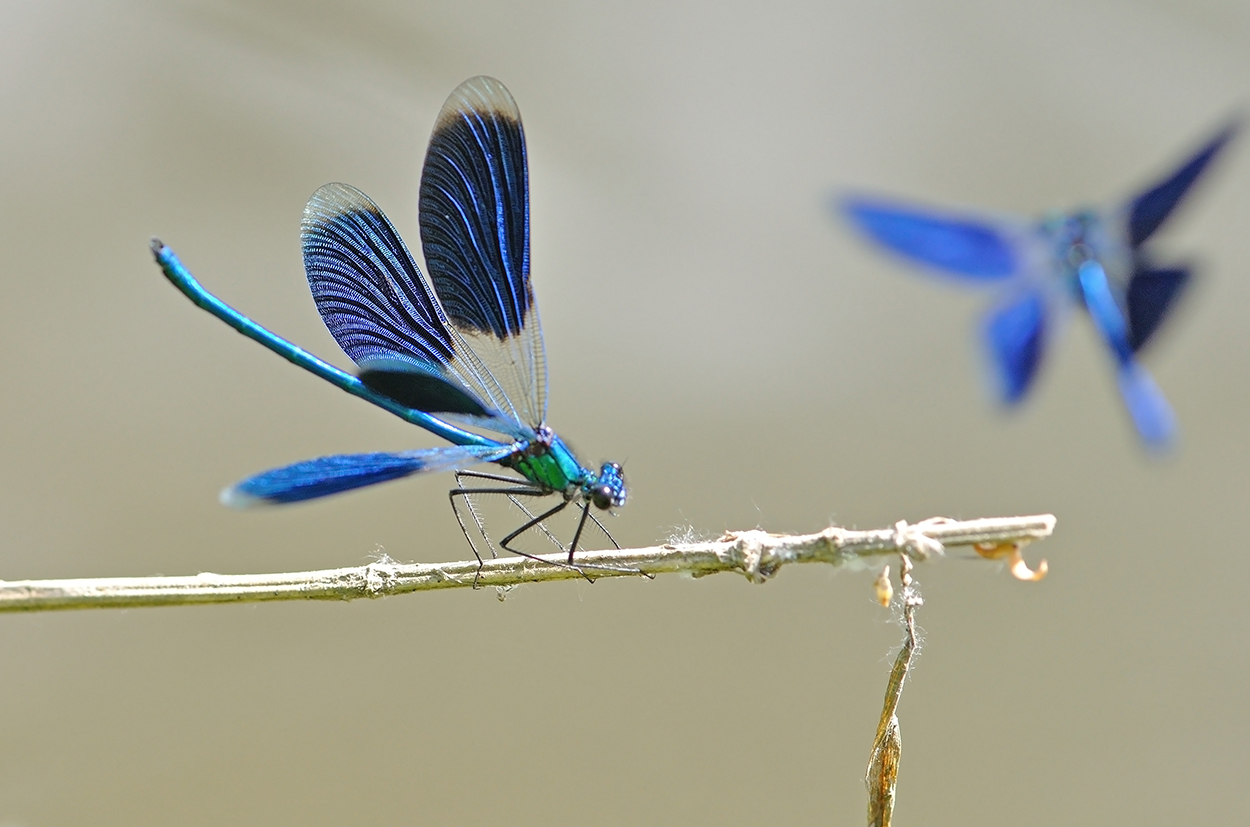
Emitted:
pixel 887 748
pixel 756 554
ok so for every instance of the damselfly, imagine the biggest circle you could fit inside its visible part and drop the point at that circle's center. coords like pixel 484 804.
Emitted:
pixel 1092 257
pixel 459 353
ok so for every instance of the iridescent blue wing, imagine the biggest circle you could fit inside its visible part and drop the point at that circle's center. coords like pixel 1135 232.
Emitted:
pixel 1146 404
pixel 322 477
pixel 380 310
pixel 1015 339
pixel 978 248
pixel 474 214
pixel 1151 208
pixel 1148 298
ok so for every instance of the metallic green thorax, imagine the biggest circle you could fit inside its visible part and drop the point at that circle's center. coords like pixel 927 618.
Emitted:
pixel 552 467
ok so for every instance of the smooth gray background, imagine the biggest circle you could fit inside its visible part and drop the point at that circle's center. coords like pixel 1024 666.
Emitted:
pixel 707 323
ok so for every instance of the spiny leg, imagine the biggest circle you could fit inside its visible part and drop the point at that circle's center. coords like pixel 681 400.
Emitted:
pixel 531 491
pixel 587 513
pixel 514 491
pixel 556 509
pixel 477 519
pixel 578 533
pixel 572 546
pixel 603 528
pixel 529 515
pixel 482 475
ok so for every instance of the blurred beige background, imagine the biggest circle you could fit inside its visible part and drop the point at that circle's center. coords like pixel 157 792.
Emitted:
pixel 710 325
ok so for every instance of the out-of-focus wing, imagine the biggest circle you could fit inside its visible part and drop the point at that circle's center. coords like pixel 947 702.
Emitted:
pixel 973 247
pixel 1149 296
pixel 1015 334
pixel 1150 209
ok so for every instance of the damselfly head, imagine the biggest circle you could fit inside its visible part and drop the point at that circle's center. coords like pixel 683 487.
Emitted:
pixel 608 491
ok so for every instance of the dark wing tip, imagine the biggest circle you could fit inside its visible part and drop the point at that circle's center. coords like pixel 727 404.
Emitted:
pixel 1149 209
pixel 420 389
pixel 1150 296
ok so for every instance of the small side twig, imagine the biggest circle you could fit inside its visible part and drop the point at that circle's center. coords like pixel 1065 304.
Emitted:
pixel 755 554
pixel 882 775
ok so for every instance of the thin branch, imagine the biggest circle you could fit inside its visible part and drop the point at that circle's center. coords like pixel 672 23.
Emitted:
pixel 881 777
pixel 756 554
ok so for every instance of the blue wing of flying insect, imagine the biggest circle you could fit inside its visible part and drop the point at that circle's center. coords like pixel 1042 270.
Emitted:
pixel 1150 294
pixel 1152 291
pixel 1147 211
pixel 973 247
pixel 1014 333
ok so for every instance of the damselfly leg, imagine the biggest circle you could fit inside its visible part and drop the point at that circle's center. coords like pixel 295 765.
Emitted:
pixel 513 492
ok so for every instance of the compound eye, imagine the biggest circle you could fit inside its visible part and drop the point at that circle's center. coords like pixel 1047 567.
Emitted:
pixel 601 496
